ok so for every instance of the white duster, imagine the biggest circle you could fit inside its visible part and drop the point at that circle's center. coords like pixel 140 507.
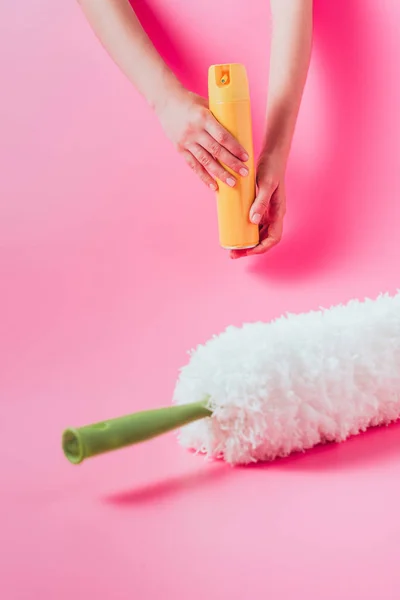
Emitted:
pixel 285 386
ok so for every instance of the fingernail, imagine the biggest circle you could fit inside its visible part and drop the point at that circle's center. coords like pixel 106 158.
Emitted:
pixel 230 181
pixel 245 157
pixel 213 187
pixel 244 172
pixel 256 219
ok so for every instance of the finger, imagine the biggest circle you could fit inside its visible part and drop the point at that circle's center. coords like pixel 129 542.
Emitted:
pixel 272 227
pixel 234 254
pixel 225 139
pixel 264 246
pixel 260 205
pixel 209 163
pixel 277 206
pixel 273 235
pixel 199 170
pixel 270 236
pixel 262 201
pixel 222 155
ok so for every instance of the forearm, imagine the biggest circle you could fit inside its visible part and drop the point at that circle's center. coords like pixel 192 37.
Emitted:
pixel 289 63
pixel 120 32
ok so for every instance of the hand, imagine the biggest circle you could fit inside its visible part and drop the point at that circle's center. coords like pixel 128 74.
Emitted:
pixel 269 207
pixel 201 140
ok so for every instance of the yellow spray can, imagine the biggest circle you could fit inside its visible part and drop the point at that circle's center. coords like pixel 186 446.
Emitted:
pixel 229 102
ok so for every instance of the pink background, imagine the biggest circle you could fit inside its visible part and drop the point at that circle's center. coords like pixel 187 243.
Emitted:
pixel 111 271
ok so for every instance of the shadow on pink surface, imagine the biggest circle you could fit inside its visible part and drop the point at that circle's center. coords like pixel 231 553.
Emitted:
pixel 173 486
pixel 366 451
pixel 330 218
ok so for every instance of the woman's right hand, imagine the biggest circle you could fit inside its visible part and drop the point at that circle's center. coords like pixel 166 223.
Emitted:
pixel 184 117
pixel 201 140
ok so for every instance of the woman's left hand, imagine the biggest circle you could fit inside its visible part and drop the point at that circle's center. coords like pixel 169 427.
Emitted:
pixel 269 207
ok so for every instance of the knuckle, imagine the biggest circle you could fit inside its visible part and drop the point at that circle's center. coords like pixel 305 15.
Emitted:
pixel 190 161
pixel 204 160
pixel 188 131
pixel 222 137
pixel 181 146
pixel 215 149
pixel 202 114
pixel 262 204
pixel 270 183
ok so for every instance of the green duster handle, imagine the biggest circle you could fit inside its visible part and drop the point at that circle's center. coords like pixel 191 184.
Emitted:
pixel 90 440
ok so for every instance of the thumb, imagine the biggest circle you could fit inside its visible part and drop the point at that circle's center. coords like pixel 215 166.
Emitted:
pixel 261 203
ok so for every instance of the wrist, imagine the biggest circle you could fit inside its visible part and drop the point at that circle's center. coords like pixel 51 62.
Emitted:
pixel 281 122
pixel 274 160
pixel 166 87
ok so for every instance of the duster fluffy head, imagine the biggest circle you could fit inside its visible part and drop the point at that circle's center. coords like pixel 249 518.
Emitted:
pixel 285 386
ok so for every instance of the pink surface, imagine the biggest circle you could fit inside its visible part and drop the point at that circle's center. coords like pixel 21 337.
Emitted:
pixel 111 271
